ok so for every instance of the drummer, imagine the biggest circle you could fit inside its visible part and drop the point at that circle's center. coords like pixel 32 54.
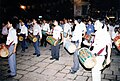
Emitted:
pixel 45 28
pixel 89 28
pixel 24 33
pixel 37 33
pixel 76 39
pixel 12 42
pixel 89 34
pixel 57 33
pixel 66 31
pixel 101 41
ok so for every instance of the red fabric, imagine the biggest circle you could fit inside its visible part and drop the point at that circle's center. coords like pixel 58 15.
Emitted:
pixel 100 51
pixel 9 45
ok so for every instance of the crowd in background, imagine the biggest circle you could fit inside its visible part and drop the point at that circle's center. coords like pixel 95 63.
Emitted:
pixel 112 27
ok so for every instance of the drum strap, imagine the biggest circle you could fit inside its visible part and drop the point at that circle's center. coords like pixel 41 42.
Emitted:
pixel 100 51
pixel 9 45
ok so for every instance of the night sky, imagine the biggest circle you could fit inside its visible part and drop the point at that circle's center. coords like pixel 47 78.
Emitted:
pixel 105 4
pixel 54 8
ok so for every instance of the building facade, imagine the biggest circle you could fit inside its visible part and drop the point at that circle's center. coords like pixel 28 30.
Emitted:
pixel 81 7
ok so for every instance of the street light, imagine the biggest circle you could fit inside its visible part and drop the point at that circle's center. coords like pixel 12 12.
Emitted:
pixel 23 7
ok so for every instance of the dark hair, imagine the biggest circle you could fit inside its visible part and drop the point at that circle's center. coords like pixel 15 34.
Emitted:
pixel 79 19
pixel 11 21
pixel 35 20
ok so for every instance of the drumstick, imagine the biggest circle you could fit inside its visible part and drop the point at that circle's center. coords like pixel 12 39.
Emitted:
pixel 10 55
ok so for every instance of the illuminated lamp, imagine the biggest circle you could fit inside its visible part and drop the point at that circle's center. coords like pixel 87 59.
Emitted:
pixel 23 7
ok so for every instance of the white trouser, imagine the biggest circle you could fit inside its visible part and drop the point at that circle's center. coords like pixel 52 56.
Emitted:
pixel 64 41
pixel 96 70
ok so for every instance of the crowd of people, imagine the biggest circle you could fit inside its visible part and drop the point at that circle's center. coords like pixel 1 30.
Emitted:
pixel 101 33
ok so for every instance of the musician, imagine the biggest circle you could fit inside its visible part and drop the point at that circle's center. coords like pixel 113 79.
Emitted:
pixel 66 31
pixel 45 28
pixel 37 33
pixel 57 31
pixel 76 39
pixel 89 34
pixel 117 34
pixel 24 34
pixel 12 41
pixel 89 27
pixel 101 42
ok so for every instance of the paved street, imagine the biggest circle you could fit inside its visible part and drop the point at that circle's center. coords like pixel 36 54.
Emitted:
pixel 32 68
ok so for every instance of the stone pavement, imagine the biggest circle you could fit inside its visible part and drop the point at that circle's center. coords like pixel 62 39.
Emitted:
pixel 32 68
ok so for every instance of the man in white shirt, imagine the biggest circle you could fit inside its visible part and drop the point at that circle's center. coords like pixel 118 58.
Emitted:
pixel 24 34
pixel 101 41
pixel 111 29
pixel 57 35
pixel 45 29
pixel 12 43
pixel 37 33
pixel 76 39
pixel 66 31
pixel 19 25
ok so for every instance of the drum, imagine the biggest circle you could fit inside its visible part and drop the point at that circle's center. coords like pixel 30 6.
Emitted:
pixel 3 50
pixel 70 47
pixel 21 37
pixel 32 38
pixel 87 37
pixel 86 58
pixel 117 42
pixel 52 41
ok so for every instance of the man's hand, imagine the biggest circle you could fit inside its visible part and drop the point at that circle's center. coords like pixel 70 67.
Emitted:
pixel 14 50
pixel 40 38
pixel 26 37
pixel 108 60
pixel 79 47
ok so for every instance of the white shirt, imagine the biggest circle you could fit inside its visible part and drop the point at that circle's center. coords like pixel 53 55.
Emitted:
pixel 37 30
pixel 77 34
pixel 116 26
pixel 12 37
pixel 24 30
pixel 56 32
pixel 70 25
pixel 46 27
pixel 102 38
pixel 111 29
pixel 67 28
pixel 4 30
pixel 83 26
pixel 19 26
